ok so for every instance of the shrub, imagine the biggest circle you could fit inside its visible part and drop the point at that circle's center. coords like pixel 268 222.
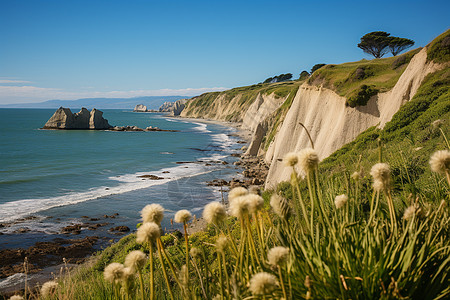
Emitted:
pixel 361 96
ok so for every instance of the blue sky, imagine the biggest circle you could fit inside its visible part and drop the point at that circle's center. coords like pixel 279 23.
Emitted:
pixel 54 49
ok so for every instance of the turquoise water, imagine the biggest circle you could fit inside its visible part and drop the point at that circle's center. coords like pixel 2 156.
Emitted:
pixel 59 176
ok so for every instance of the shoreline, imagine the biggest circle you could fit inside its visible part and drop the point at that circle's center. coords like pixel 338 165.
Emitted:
pixel 45 269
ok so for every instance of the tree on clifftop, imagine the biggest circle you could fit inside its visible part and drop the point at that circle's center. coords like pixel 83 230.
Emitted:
pixel 397 44
pixel 378 43
pixel 375 43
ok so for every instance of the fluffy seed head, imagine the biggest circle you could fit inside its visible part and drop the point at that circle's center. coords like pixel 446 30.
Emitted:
pixel 340 201
pixel 237 192
pixel 147 233
pixel 263 283
pixel 308 159
pixel 48 288
pixel 409 212
pixel 195 252
pixel 153 213
pixel 182 216
pixel 239 207
pixel 279 205
pixel 255 202
pixel 278 255
pixel 135 259
pixel 221 243
pixel 214 213
pixel 440 161
pixel 290 159
pixel 16 297
pixel 113 272
pixel 381 176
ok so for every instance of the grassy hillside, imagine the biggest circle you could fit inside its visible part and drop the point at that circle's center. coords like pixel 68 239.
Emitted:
pixel 241 97
pixel 347 79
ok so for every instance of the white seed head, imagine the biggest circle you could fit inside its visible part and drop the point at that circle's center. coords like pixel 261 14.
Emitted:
pixel 214 213
pixel 182 216
pixel 195 252
pixel 263 283
pixel 308 159
pixel 340 201
pixel 381 176
pixel 237 192
pixel 290 159
pixel 239 207
pixel 135 259
pixel 113 272
pixel 48 288
pixel 255 202
pixel 16 297
pixel 147 233
pixel 409 212
pixel 440 161
pixel 153 213
pixel 221 243
pixel 278 255
pixel 279 205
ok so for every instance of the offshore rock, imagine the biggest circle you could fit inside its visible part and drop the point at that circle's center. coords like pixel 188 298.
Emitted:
pixel 140 108
pixel 63 118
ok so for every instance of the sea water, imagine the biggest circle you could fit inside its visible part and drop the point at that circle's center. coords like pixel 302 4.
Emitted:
pixel 53 178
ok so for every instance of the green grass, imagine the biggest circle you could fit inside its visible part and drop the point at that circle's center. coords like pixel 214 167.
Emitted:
pixel 439 49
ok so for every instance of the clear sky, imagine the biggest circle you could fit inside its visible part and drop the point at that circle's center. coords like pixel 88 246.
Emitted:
pixel 70 49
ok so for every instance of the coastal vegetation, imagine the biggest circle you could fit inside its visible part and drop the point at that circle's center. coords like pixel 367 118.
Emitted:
pixel 349 79
pixel 369 222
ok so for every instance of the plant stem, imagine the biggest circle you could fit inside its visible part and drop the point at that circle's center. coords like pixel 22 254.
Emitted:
pixel 163 267
pixel 152 288
pixel 282 282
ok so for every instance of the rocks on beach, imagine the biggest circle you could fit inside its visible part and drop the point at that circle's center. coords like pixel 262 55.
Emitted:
pixel 43 254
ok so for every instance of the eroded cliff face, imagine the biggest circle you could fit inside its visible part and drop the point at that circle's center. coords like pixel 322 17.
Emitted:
pixel 331 124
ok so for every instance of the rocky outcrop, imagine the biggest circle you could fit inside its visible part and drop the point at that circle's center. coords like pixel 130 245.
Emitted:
pixel 178 107
pixel 140 108
pixel 166 107
pixel 173 108
pixel 63 118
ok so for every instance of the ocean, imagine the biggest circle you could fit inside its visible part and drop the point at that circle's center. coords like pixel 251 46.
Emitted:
pixel 50 179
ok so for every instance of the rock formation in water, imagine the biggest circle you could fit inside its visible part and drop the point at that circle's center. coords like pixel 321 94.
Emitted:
pixel 63 118
pixel 140 108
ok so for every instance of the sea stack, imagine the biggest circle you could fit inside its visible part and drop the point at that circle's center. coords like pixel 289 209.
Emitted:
pixel 140 108
pixel 63 118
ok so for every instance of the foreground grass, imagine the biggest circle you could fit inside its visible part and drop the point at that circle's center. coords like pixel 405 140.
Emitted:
pixel 339 239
